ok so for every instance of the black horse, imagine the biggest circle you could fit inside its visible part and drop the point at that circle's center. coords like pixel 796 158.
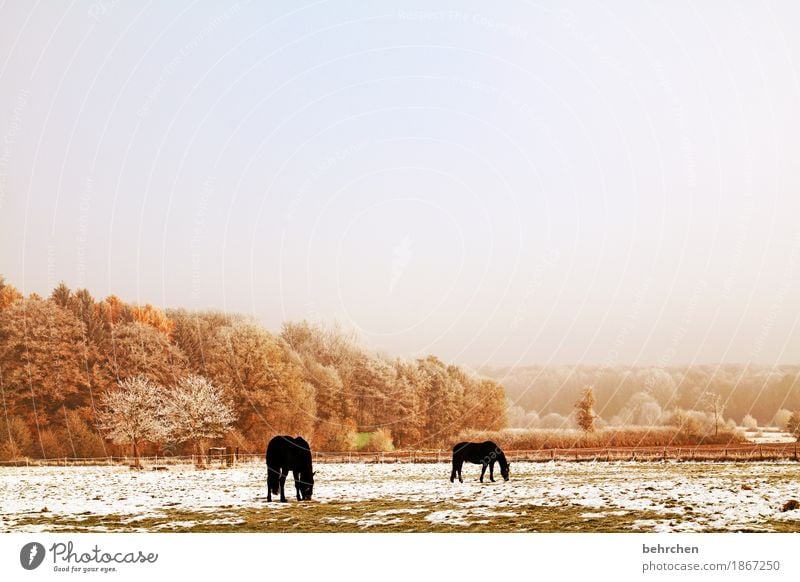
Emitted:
pixel 484 454
pixel 285 454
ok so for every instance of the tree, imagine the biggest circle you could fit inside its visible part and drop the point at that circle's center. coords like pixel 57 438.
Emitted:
pixel 138 349
pixel 133 413
pixel 265 379
pixel 441 392
pixel 197 410
pixel 41 369
pixel 713 403
pixel 485 404
pixel 8 294
pixel 749 421
pixel 585 415
pixel 793 424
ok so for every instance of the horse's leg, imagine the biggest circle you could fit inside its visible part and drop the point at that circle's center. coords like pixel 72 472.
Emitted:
pixel 296 484
pixel 453 472
pixel 283 484
pixel 491 471
pixel 483 470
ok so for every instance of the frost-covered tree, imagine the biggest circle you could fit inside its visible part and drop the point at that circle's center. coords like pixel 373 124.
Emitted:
pixel 133 413
pixel 793 424
pixel 585 415
pixel 197 410
pixel 749 421
pixel 781 418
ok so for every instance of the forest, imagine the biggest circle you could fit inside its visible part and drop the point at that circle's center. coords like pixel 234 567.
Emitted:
pixel 62 356
pixel 734 395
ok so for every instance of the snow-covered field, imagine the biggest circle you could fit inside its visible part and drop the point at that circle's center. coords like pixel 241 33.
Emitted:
pixel 558 496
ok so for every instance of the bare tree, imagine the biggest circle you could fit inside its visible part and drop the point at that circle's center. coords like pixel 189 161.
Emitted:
pixel 585 416
pixel 133 413
pixel 197 410
pixel 713 403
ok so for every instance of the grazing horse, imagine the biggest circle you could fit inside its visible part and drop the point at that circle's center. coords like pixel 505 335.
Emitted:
pixel 285 454
pixel 484 454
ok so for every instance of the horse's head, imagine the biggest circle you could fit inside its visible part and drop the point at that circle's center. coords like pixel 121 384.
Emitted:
pixel 307 487
pixel 505 471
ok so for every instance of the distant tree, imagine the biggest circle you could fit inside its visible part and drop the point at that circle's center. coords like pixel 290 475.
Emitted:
pixel 133 413
pixel 793 424
pixel 749 421
pixel 781 418
pixel 8 294
pixel 688 424
pixel 117 311
pixel 484 404
pixel 585 415
pixel 197 410
pixel 713 403
pixel 61 295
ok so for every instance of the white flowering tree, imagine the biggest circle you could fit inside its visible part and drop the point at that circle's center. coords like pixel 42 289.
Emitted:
pixel 198 410
pixel 134 412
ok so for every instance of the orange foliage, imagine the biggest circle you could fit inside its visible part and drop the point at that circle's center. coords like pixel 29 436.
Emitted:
pixel 116 307
pixel 153 317
pixel 8 295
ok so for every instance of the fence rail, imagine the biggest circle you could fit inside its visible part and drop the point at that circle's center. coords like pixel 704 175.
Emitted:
pixel 734 452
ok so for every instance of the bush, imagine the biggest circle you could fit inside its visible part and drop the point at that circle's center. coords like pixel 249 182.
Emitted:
pixel 749 421
pixel 781 418
pixel 335 436
pixel 379 441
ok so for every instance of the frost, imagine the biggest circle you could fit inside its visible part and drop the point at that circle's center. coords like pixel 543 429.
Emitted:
pixel 689 497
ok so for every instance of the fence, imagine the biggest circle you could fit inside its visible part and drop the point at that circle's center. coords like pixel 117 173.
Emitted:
pixel 707 453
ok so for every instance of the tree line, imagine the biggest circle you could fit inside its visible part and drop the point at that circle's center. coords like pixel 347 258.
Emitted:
pixel 711 395
pixel 63 359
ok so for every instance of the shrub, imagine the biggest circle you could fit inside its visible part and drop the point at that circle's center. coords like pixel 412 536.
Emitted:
pixel 749 421
pixel 379 441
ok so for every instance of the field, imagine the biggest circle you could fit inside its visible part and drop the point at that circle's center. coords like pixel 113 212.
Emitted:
pixel 540 497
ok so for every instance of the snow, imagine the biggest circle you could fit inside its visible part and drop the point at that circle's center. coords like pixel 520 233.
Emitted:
pixel 686 496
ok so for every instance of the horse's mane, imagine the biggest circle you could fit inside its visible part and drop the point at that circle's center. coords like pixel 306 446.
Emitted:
pixel 501 458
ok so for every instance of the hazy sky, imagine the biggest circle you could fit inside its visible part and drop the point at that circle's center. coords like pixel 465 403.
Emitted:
pixel 542 182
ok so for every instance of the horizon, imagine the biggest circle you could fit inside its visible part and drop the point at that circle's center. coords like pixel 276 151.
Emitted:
pixel 475 368
pixel 542 185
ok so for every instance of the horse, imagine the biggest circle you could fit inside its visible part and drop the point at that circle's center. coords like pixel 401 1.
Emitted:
pixel 285 454
pixel 484 454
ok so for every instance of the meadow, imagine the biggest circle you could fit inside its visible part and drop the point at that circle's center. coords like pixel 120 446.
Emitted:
pixel 409 497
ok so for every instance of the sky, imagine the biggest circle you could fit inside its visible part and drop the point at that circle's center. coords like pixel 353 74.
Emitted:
pixel 532 183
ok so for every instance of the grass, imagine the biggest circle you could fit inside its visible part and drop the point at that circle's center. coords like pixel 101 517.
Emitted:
pixel 382 516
